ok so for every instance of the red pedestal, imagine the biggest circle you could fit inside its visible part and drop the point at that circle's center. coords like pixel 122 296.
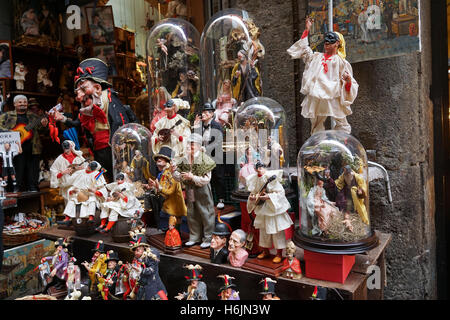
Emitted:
pixel 328 267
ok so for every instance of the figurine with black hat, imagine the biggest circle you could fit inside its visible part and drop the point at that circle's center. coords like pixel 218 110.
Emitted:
pixel 328 84
pixel 268 289
pixel 58 262
pixel 107 282
pixel 197 289
pixel 228 291
pixel 167 194
pixel 97 265
pixel 212 133
pixel 219 249
pixel 101 112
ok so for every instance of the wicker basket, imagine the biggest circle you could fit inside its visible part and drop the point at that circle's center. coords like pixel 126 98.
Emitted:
pixel 27 235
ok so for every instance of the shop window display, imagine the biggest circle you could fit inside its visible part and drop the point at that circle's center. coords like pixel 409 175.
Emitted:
pixel 334 195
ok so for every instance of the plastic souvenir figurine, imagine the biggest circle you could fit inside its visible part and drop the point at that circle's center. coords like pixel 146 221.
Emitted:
pixel 146 265
pixel 268 201
pixel 268 289
pixel 101 111
pixel 59 261
pixel 245 79
pixel 237 253
pixel 328 83
pixel 168 187
pixel 87 186
pixel 72 276
pixel 224 104
pixel 7 156
pixel 352 191
pixel 171 131
pixel 194 170
pixel 227 291
pixel 64 166
pixel 197 289
pixel 20 73
pixel 291 265
pixel 172 240
pixel 108 284
pixel 97 264
pixel 219 250
pixel 320 209
pixel 212 134
pixel 121 202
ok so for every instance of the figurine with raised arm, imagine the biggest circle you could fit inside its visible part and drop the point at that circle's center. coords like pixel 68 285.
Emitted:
pixel 197 289
pixel 97 264
pixel 328 84
pixel 59 261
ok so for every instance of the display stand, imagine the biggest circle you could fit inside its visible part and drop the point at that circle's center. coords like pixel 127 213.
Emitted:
pixel 354 287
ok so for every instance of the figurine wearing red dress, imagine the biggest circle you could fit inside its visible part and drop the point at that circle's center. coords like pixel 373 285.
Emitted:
pixel 291 265
pixel 172 239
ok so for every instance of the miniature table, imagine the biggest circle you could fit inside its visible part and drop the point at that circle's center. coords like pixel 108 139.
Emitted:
pixel 172 275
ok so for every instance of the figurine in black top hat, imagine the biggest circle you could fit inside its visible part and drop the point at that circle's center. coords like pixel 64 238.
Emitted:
pixel 268 289
pixel 219 248
pixel 197 288
pixel 101 112
pixel 108 280
pixel 228 291
pixel 97 264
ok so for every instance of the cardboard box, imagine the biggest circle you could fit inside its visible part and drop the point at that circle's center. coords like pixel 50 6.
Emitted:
pixel 328 267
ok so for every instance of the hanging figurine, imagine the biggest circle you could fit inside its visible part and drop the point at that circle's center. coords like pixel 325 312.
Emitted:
pixel 328 83
pixel 291 265
pixel 97 264
pixel 228 291
pixel 7 155
pixel 197 289
pixel 268 289
pixel 122 202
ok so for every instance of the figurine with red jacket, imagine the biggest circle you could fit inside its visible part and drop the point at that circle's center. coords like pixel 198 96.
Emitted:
pixel 291 265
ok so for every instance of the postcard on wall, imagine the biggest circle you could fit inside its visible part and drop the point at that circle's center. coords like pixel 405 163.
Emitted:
pixel 373 29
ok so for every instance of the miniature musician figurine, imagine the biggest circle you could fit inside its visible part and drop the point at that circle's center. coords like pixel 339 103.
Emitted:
pixel 97 265
pixel 219 251
pixel 197 289
pixel 7 156
pixel 268 289
pixel 227 291
pixel 352 191
pixel 328 83
pixel 172 240
pixel 291 265
pixel 271 214
pixel 65 165
pixel 237 253
pixel 194 170
pixel 121 202
pixel 108 282
pixel 59 261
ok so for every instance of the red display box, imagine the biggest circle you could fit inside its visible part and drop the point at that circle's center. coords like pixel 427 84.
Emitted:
pixel 328 267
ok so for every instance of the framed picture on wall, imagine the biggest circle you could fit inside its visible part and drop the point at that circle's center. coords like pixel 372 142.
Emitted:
pixel 100 22
pixel 6 68
pixel 107 54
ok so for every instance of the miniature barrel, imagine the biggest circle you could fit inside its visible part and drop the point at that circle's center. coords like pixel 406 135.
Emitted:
pixel 120 230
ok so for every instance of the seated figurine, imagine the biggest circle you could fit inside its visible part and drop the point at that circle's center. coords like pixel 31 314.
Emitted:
pixel 227 291
pixel 291 265
pixel 237 253
pixel 218 249
pixel 197 288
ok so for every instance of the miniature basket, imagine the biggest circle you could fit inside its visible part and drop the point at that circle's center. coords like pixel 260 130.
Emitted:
pixel 27 235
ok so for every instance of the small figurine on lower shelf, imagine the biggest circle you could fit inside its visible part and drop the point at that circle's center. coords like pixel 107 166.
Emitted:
pixel 172 239
pixel 319 293
pixel 197 289
pixel 59 261
pixel 219 250
pixel 108 284
pixel 226 292
pixel 7 155
pixel 237 253
pixel 291 265
pixel 97 264
pixel 72 276
pixel 268 289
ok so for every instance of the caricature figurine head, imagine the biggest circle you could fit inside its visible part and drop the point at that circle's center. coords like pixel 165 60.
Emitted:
pixel 112 259
pixel 20 104
pixel 260 168
pixel 208 112
pixel 268 288
pixel 194 274
pixel 219 236
pixel 120 178
pixel 163 157
pixel 237 240
pixel 290 249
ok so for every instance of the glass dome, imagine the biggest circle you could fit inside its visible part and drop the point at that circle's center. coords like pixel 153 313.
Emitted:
pixel 260 134
pixel 333 195
pixel 173 62
pixel 230 47
pixel 131 145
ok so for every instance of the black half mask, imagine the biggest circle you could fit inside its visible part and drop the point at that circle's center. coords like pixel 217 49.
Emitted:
pixel 331 37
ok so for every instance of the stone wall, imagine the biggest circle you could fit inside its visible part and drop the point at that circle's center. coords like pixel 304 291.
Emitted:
pixel 393 116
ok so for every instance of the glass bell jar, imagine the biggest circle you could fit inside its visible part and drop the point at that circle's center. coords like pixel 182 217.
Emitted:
pixel 260 134
pixel 334 195
pixel 230 64
pixel 173 64
pixel 131 145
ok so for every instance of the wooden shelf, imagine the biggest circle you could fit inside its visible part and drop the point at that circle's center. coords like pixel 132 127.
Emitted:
pixel 30 93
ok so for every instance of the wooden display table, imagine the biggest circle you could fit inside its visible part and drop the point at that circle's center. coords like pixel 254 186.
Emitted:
pixel 172 272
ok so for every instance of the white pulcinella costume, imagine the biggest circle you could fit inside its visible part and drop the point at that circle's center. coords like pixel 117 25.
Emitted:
pixel 326 93
pixel 81 181
pixel 271 217
pixel 58 180
pixel 125 207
